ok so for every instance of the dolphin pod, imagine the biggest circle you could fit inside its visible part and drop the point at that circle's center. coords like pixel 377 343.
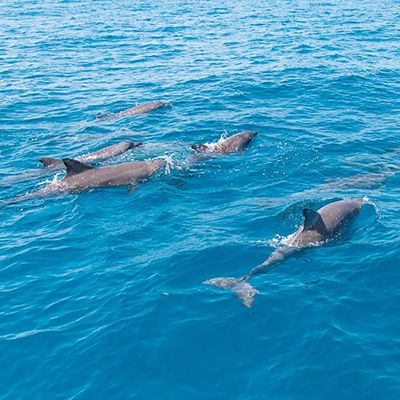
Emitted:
pixel 81 176
pixel 99 155
pixel 318 228
pixel 136 110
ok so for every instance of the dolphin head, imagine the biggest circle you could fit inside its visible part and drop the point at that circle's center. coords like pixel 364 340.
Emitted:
pixel 154 165
pixel 247 136
pixel 132 145
pixel 251 133
pixel 161 104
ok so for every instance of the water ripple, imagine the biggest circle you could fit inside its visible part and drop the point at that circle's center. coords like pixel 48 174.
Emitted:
pixel 101 293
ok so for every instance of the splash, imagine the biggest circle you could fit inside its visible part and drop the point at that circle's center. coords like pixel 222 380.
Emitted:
pixel 213 145
pixel 170 163
pixel 52 181
pixel 276 242
pixel 367 200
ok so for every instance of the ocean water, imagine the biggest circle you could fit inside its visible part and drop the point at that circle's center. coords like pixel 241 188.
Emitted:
pixel 101 293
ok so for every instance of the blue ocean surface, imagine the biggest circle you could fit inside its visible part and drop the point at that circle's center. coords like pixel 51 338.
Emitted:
pixel 101 293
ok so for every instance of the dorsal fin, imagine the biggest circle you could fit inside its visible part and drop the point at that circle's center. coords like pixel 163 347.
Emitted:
pixel 75 167
pixel 49 162
pixel 313 221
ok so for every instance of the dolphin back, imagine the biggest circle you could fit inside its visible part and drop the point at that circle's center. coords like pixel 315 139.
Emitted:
pixel 338 214
pixel 136 110
pixel 228 144
pixel 99 155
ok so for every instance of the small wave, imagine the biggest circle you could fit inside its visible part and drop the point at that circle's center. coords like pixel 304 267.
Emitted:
pixel 367 200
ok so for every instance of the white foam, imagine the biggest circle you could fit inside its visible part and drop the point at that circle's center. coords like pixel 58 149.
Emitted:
pixel 276 242
pixel 169 163
pixel 367 200
pixel 52 181
pixel 213 145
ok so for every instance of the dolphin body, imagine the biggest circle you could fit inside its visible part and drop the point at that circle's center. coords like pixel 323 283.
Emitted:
pixel 318 228
pixel 99 155
pixel 137 110
pixel 230 144
pixel 81 176
pixel 338 186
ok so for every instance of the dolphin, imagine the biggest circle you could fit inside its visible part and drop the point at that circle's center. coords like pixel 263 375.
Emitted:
pixel 136 110
pixel 230 144
pixel 318 228
pixel 337 186
pixel 81 176
pixel 99 155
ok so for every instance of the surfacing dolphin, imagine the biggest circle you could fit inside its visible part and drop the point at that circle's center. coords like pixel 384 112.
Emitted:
pixel 99 155
pixel 230 144
pixel 318 228
pixel 136 110
pixel 81 176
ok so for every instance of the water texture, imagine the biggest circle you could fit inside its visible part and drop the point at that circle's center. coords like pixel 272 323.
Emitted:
pixel 101 293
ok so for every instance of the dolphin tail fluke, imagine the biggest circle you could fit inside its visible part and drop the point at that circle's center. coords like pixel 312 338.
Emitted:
pixel 241 288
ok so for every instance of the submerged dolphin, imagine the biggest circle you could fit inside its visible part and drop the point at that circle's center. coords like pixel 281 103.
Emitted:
pixel 318 228
pixel 335 187
pixel 99 155
pixel 81 176
pixel 230 144
pixel 137 110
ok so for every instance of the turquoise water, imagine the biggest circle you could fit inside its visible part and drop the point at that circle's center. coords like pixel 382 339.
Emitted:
pixel 101 293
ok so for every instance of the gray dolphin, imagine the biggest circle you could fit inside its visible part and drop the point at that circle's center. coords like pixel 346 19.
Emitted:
pixel 335 187
pixel 318 228
pixel 99 155
pixel 81 176
pixel 136 110
pixel 230 144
